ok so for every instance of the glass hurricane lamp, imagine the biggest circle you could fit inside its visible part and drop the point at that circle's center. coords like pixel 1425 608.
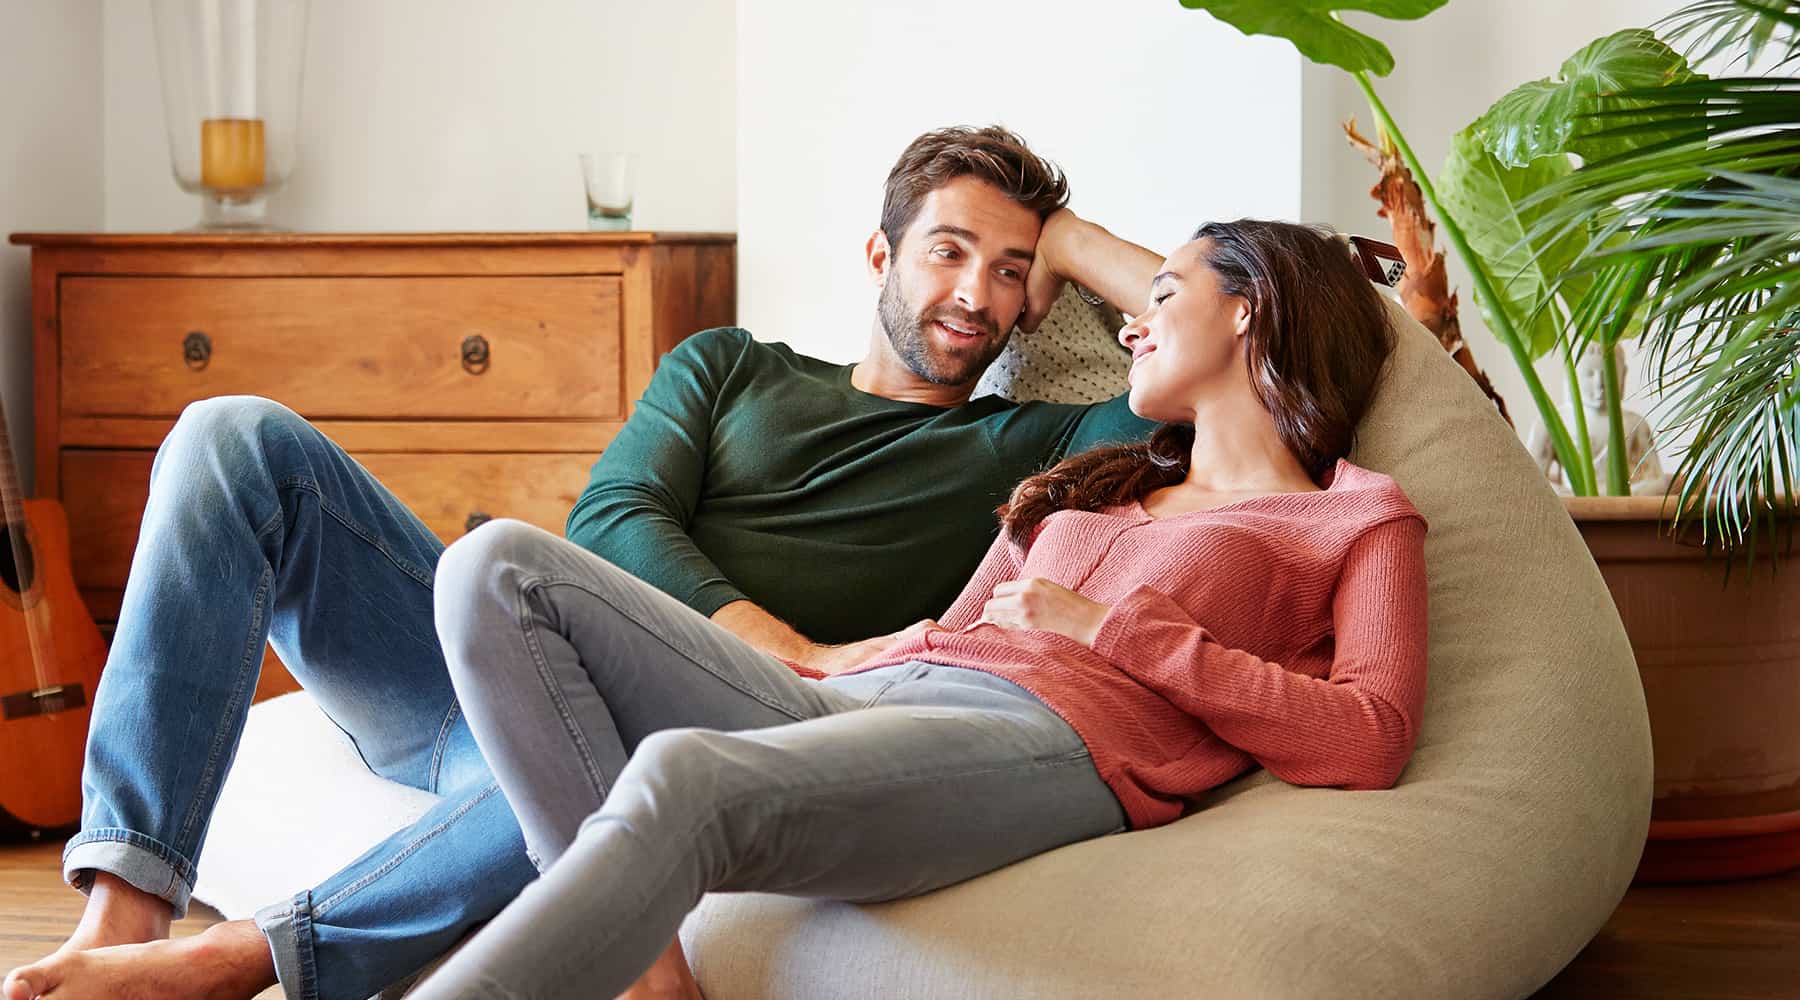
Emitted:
pixel 231 100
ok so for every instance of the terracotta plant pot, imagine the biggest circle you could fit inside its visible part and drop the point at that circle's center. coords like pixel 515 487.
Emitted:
pixel 1720 661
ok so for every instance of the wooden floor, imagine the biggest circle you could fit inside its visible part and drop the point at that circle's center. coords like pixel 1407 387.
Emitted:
pixel 1722 941
pixel 37 911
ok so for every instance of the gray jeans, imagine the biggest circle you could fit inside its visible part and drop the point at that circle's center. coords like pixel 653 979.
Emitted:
pixel 652 757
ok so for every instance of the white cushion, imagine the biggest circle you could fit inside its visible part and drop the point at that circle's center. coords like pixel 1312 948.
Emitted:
pixel 286 820
pixel 1073 357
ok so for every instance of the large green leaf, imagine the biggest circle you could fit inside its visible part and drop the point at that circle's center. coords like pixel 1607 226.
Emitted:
pixel 1313 29
pixel 1489 201
pixel 1550 117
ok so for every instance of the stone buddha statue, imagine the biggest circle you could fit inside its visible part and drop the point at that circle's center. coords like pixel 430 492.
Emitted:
pixel 1642 463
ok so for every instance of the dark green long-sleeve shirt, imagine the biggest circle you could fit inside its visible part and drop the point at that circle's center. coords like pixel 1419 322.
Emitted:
pixel 750 472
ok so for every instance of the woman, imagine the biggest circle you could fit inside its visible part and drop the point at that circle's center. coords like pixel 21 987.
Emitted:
pixel 1153 620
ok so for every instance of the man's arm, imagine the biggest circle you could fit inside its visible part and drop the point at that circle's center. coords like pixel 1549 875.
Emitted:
pixel 749 622
pixel 636 508
pixel 643 490
pixel 1071 248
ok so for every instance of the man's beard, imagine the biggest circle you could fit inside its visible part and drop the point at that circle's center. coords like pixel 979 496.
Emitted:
pixel 906 330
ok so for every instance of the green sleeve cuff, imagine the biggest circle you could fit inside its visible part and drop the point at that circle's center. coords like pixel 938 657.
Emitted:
pixel 712 595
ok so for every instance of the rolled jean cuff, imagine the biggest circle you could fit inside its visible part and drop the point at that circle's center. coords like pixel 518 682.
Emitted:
pixel 146 863
pixel 288 926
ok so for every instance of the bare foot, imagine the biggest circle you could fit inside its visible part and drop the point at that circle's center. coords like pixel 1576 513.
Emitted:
pixel 227 961
pixel 668 979
pixel 118 912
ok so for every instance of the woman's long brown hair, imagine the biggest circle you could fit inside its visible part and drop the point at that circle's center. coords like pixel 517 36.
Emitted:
pixel 1319 334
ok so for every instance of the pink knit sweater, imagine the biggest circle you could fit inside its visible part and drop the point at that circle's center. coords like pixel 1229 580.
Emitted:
pixel 1286 631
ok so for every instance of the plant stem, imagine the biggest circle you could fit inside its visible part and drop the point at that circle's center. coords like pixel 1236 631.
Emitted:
pixel 1566 451
pixel 1583 485
pixel 1578 485
pixel 1618 478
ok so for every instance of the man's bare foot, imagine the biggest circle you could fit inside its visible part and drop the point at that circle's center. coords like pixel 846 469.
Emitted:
pixel 227 961
pixel 118 912
pixel 668 979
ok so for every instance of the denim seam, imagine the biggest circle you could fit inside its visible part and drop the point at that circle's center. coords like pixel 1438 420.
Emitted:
pixel 541 662
pixel 375 542
pixel 565 969
pixel 300 915
pixel 897 678
pixel 343 518
pixel 654 633
pixel 225 737
pixel 309 959
pixel 442 744
pixel 413 847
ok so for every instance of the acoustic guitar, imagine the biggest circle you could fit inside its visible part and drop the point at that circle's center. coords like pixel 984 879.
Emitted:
pixel 50 659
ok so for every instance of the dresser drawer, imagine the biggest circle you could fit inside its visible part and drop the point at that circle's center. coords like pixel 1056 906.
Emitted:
pixel 104 493
pixel 339 346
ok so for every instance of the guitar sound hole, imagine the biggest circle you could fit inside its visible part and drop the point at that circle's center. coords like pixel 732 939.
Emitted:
pixel 16 569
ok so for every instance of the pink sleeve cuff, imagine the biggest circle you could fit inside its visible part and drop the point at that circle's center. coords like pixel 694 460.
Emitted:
pixel 802 670
pixel 1123 624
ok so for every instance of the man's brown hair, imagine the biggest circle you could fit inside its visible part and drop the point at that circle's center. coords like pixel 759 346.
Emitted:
pixel 993 154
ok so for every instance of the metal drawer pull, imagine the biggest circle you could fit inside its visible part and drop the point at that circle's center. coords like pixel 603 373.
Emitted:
pixel 477 518
pixel 196 350
pixel 475 354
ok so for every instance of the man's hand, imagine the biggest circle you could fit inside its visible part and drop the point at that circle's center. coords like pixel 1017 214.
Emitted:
pixel 1048 274
pixel 1036 603
pixel 1070 248
pixel 837 659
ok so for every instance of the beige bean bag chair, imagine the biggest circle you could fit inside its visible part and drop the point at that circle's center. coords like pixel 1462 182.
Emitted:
pixel 1506 846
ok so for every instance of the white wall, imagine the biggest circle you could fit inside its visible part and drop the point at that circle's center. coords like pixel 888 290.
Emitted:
pixel 462 115
pixel 1162 118
pixel 1449 67
pixel 776 118
pixel 50 173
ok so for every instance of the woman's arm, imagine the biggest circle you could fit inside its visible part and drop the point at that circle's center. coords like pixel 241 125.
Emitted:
pixel 1354 728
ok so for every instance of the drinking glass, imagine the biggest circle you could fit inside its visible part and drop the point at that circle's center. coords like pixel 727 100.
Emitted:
pixel 607 177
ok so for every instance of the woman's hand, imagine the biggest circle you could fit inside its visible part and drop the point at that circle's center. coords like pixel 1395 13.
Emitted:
pixel 1036 603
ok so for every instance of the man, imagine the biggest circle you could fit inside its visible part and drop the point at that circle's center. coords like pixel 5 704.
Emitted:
pixel 810 508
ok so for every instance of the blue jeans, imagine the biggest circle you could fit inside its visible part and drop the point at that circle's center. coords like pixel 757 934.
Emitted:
pixel 652 757
pixel 259 527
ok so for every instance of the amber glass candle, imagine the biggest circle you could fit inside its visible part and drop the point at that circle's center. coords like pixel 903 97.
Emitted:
pixel 231 153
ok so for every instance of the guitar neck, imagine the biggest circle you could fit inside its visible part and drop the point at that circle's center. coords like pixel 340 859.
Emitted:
pixel 20 563
pixel 12 507
pixel 10 490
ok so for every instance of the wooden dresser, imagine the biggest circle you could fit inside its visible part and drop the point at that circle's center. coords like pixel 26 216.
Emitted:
pixel 476 375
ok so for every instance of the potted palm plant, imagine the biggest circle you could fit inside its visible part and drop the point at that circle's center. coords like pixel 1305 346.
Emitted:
pixel 1630 196
pixel 1688 226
